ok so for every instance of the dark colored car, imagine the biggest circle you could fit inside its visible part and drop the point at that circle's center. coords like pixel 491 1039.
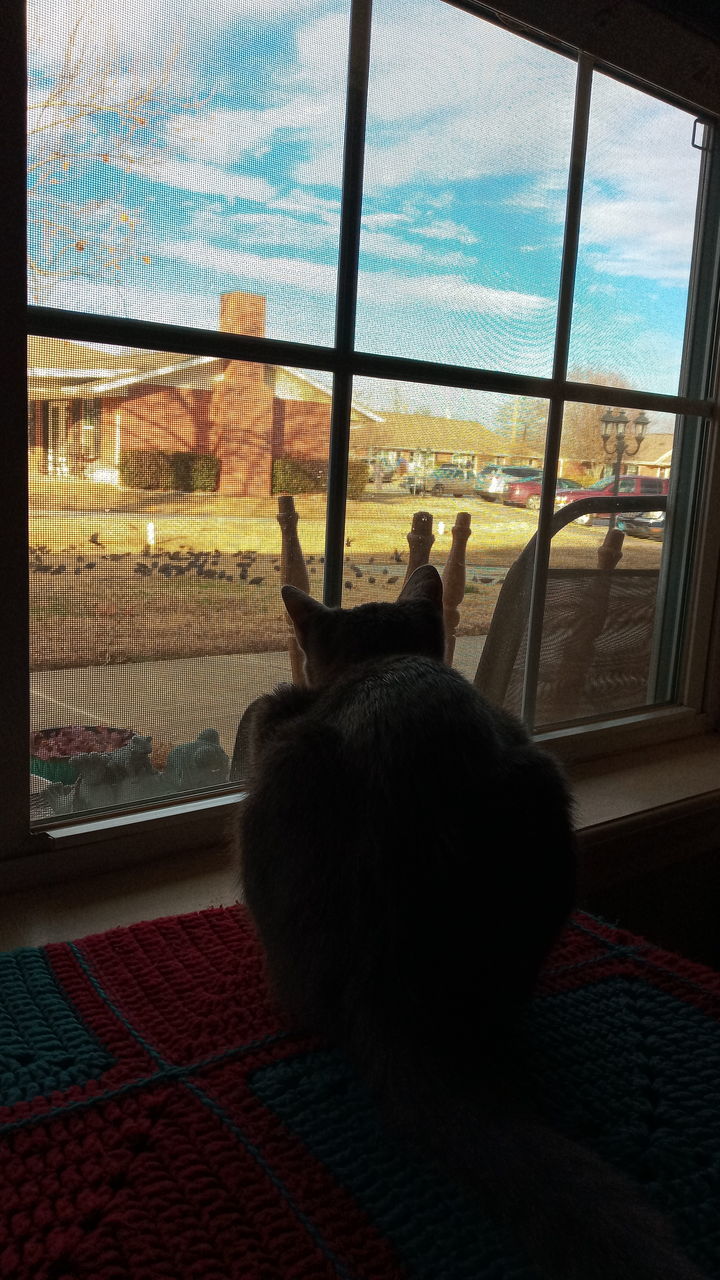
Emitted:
pixel 526 493
pixel 644 524
pixel 632 486
pixel 447 479
pixel 494 479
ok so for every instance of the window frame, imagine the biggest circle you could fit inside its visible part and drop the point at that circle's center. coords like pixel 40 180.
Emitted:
pixel 699 685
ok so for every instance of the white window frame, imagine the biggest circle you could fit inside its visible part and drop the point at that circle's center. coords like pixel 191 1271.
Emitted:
pixel 202 821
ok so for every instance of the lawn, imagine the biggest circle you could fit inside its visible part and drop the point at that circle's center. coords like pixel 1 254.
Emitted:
pixel 211 584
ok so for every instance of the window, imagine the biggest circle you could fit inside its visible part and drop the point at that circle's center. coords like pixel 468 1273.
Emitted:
pixel 230 299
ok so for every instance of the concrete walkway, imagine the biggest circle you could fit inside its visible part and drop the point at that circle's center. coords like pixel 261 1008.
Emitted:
pixel 173 699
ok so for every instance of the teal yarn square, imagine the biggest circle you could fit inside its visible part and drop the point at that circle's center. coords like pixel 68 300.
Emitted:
pixel 44 1043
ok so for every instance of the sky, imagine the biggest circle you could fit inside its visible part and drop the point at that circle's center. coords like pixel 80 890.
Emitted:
pixel 207 157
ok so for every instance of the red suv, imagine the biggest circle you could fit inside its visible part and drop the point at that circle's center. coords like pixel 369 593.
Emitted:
pixel 629 486
pixel 526 493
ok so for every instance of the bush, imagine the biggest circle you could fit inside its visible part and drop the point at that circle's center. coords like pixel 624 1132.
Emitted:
pixel 146 469
pixel 290 475
pixel 204 472
pixel 293 475
pixel 357 477
pixel 154 469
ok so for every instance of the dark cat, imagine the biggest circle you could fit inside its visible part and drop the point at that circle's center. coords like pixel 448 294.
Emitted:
pixel 408 858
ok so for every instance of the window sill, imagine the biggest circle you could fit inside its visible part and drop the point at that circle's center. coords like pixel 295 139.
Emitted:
pixel 635 812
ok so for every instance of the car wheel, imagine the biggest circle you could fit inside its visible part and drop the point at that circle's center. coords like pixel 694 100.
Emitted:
pixel 438 489
pixel 533 502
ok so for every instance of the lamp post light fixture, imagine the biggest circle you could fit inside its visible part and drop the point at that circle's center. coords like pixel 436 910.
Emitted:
pixel 618 443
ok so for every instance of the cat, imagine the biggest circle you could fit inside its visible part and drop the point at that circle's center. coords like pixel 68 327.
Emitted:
pixel 408 858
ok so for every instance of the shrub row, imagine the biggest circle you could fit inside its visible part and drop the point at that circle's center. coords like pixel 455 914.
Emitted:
pixel 154 469
pixel 291 475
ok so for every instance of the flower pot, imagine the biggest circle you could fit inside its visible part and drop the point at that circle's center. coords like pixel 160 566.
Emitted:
pixel 57 768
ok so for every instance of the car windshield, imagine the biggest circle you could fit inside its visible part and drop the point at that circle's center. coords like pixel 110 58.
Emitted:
pixel 603 483
pixel 568 484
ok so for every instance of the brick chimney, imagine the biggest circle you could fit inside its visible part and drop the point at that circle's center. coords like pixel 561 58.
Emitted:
pixel 241 406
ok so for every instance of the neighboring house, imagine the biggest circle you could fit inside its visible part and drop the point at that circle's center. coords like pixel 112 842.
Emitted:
pixel 407 439
pixel 88 404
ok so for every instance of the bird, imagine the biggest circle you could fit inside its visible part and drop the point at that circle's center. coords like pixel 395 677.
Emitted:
pixel 90 564
pixel 143 569
pixel 349 542
pixel 313 569
pixel 309 559
pixel 348 586
pixel 242 576
pixel 60 569
pixel 95 537
pixel 255 582
pixel 276 567
pixel 322 559
pixel 397 557
pixel 391 580
pixel 359 573
pixel 371 560
pixel 372 581
pixel 385 571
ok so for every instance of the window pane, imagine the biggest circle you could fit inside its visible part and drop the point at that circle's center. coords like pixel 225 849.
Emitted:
pixel 464 192
pixel 599 653
pixel 178 155
pixel 444 451
pixel 155 564
pixel 636 237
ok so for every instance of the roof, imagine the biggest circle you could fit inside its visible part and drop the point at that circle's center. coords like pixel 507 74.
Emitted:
pixel 423 431
pixel 58 368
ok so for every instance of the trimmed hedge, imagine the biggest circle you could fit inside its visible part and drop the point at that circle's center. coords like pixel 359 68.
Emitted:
pixel 292 475
pixel 154 469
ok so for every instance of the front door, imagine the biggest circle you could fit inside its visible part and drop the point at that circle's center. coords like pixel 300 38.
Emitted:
pixel 57 452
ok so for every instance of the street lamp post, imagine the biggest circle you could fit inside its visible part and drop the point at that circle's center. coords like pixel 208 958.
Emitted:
pixel 619 444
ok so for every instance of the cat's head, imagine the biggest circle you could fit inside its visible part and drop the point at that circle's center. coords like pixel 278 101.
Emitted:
pixel 334 640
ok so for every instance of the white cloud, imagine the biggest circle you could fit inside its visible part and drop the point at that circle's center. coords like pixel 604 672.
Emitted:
pixel 295 273
pixel 378 221
pixel 447 291
pixel 381 244
pixel 207 179
pixel 445 229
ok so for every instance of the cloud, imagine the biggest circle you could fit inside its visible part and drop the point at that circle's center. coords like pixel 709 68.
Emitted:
pixel 444 229
pixel 448 291
pixel 381 244
pixel 207 179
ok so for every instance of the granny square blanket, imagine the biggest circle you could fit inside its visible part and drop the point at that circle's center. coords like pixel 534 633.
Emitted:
pixel 159 1122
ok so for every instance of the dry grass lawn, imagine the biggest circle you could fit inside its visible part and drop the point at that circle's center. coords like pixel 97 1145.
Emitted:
pixel 101 609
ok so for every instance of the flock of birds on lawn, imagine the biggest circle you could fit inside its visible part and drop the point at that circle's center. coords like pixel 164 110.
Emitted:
pixel 206 564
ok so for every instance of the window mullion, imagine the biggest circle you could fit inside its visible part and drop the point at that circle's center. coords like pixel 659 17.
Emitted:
pixel 346 305
pixel 573 209
pixel 14 683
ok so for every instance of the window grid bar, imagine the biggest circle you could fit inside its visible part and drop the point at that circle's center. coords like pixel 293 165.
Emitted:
pixel 48 322
pixel 571 237
pixel 346 301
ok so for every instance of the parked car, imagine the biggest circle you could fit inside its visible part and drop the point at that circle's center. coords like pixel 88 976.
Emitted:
pixel 526 493
pixel 644 524
pixel 634 486
pixel 493 480
pixel 447 479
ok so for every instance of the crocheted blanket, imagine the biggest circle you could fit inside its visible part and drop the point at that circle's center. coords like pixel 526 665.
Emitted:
pixel 158 1122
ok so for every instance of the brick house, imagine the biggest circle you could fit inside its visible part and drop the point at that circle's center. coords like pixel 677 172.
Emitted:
pixel 88 404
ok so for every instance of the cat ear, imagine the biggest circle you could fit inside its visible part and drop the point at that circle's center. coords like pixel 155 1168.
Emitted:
pixel 424 584
pixel 301 607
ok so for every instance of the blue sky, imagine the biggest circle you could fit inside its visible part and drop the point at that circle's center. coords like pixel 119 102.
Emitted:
pixel 229 178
